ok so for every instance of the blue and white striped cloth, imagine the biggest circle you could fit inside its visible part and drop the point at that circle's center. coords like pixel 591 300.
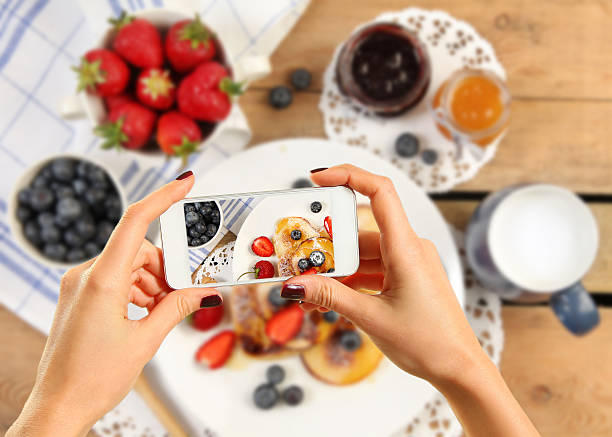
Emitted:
pixel 39 41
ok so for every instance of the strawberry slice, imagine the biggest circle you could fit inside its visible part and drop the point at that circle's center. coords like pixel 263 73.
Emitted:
pixel 328 226
pixel 215 352
pixel 285 324
pixel 262 246
pixel 310 271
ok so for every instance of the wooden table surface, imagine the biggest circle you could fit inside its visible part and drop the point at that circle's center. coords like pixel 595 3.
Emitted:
pixel 559 63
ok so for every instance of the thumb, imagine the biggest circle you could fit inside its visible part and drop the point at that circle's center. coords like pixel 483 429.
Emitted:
pixel 331 294
pixel 173 308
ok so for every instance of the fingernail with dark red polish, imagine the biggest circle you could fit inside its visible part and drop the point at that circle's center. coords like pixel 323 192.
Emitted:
pixel 184 175
pixel 317 170
pixel 293 292
pixel 211 301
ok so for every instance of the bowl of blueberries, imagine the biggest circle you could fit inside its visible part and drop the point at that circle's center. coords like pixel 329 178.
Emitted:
pixel 64 208
pixel 203 220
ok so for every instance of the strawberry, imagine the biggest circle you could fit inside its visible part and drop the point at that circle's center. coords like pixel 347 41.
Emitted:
pixel 262 246
pixel 129 125
pixel 188 44
pixel 205 94
pixel 263 269
pixel 207 318
pixel 328 226
pixel 103 73
pixel 310 271
pixel 285 324
pixel 178 135
pixel 215 352
pixel 113 101
pixel 155 88
pixel 137 41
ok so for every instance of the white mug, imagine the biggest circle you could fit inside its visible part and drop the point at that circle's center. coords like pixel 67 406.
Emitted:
pixel 247 69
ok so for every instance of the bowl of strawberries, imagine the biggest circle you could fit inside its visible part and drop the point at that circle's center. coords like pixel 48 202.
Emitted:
pixel 162 81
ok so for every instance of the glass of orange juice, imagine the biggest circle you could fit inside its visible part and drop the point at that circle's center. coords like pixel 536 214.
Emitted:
pixel 472 107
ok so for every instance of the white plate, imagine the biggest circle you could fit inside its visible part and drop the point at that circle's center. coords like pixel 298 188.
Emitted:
pixel 222 399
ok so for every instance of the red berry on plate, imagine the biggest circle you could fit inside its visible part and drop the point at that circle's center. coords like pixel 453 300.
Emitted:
pixel 310 271
pixel 216 351
pixel 285 324
pixel 206 93
pixel 113 101
pixel 138 41
pixel 328 226
pixel 188 44
pixel 262 246
pixel 102 73
pixel 155 88
pixel 178 135
pixel 264 269
pixel 207 318
pixel 129 125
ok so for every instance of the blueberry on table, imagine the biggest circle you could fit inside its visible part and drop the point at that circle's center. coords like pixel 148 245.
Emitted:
pixel 63 169
pixel 429 156
pixel 76 255
pixel 275 374
pixel 293 395
pixel 331 316
pixel 68 209
pixel 280 97
pixel 274 297
pixel 350 340
pixel 304 264
pixel 211 230
pixel 317 258
pixel 41 199
pixel 50 234
pixel 265 396
pixel 302 183
pixel 407 145
pixel 316 207
pixel 32 233
pixel 55 251
pixel 301 79
pixel 296 234
pixel 191 218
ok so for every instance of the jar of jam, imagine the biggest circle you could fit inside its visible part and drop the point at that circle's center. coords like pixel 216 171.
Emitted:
pixel 472 106
pixel 384 68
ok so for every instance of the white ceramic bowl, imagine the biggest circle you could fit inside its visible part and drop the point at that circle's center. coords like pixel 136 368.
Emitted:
pixel 24 180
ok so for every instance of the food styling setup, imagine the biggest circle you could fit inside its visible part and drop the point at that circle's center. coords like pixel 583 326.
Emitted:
pixel 495 146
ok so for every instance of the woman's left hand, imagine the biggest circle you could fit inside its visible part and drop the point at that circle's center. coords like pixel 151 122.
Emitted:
pixel 94 353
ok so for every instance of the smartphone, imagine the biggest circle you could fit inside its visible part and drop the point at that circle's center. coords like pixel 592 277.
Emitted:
pixel 267 236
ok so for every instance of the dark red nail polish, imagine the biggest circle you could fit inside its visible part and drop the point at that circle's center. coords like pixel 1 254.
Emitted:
pixel 210 301
pixel 293 292
pixel 184 175
pixel 317 170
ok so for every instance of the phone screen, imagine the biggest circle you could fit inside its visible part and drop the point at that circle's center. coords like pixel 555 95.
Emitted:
pixel 252 237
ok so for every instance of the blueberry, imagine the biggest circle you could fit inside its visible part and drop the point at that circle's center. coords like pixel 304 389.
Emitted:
pixel 293 395
pixel 205 209
pixel 211 230
pixel 275 299
pixel 350 340
pixel 215 217
pixel 72 238
pixel 275 374
pixel 113 208
pixel 296 234
pixel 95 196
pixel 63 169
pixel 41 199
pixel 429 156
pixel 62 190
pixel 407 145
pixel 43 178
pixel 24 196
pixel 199 227
pixel 316 207
pixel 50 234
pixel 68 209
pixel 204 239
pixel 317 258
pixel 32 233
pixel 191 218
pixel 76 255
pixel 92 249
pixel 301 183
pixel 280 97
pixel 23 213
pixel 332 270
pixel 96 175
pixel 301 79
pixel 103 233
pixel 45 219
pixel 55 251
pixel 195 242
pixel 304 264
pixel 85 227
pixel 62 222
pixel 331 316
pixel 82 169
pixel 80 186
pixel 189 207
pixel 193 233
pixel 265 396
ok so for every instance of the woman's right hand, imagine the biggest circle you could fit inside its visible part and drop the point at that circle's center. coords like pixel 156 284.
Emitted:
pixel 416 319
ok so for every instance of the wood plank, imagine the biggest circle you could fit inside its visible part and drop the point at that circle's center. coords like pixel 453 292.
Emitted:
pixel 565 143
pixel 598 279
pixel 550 48
pixel 562 381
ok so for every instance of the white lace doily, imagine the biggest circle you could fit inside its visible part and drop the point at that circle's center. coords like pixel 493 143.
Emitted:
pixel 451 45
pixel 218 265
